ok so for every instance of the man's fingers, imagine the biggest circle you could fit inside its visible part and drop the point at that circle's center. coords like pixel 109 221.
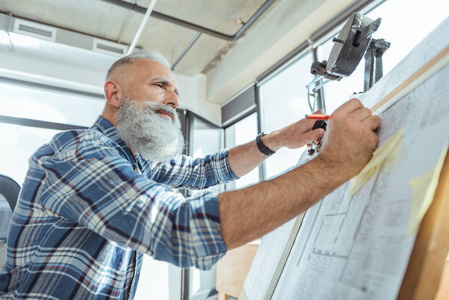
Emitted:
pixel 373 122
pixel 308 124
pixel 364 113
pixel 316 134
pixel 349 106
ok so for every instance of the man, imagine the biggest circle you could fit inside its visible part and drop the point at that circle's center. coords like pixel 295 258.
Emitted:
pixel 94 201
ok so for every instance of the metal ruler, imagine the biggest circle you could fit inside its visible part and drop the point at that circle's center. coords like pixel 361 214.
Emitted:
pixel 429 69
pixel 284 257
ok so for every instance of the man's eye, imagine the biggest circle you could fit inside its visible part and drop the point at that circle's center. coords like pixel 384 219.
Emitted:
pixel 160 85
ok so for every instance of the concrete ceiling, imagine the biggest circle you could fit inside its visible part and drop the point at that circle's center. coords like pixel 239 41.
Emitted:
pixel 112 22
pixel 227 58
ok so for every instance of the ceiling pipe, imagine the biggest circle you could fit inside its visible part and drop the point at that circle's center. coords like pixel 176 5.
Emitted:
pixel 186 50
pixel 142 26
pixel 192 26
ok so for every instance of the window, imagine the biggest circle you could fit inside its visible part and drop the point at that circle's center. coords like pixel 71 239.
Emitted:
pixel 242 132
pixel 284 101
pixel 21 101
pixel 403 30
pixel 206 138
pixel 29 102
pixel 405 24
pixel 21 141
pixel 283 97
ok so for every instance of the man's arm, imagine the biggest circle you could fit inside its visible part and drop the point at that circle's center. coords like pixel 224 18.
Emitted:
pixel 348 146
pixel 244 158
pixel 222 167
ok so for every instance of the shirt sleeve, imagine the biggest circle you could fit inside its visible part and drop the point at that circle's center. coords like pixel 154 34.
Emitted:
pixel 100 190
pixel 194 173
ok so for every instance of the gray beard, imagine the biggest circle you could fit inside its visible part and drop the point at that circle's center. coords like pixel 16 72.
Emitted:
pixel 154 137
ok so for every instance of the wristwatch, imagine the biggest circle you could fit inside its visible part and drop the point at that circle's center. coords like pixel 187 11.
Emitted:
pixel 262 147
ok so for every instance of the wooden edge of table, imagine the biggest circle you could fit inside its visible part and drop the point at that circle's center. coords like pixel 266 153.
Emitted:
pixel 429 254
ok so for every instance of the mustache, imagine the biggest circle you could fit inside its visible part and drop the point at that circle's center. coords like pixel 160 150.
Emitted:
pixel 158 106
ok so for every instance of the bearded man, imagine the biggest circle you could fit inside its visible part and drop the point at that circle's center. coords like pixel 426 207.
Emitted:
pixel 94 201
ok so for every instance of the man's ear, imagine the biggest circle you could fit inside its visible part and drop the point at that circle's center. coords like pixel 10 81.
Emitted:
pixel 113 93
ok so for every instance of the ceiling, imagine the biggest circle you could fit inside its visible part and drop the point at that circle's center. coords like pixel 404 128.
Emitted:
pixel 215 56
pixel 208 26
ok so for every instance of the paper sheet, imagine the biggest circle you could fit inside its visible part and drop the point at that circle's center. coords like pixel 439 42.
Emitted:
pixel 265 262
pixel 424 188
pixel 379 156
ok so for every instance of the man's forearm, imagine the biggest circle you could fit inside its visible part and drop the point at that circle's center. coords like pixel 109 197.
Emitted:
pixel 244 158
pixel 249 213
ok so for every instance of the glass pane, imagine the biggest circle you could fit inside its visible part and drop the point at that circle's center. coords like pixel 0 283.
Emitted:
pixel 405 23
pixel 5 218
pixel 22 141
pixel 48 105
pixel 206 139
pixel 284 101
pixel 403 30
pixel 240 133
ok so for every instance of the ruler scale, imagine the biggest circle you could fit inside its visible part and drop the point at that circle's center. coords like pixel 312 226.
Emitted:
pixel 284 257
pixel 429 69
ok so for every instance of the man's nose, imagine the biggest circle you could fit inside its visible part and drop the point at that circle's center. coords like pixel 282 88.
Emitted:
pixel 172 99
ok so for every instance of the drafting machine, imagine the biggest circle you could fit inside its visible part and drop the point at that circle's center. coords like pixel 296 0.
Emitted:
pixel 352 44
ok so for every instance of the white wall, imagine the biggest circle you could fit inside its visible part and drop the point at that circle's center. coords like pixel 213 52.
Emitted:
pixel 193 97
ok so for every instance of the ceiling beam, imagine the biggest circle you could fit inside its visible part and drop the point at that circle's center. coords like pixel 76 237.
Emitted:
pixel 193 26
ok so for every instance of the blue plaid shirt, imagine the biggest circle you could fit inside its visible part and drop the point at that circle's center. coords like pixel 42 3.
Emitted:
pixel 89 209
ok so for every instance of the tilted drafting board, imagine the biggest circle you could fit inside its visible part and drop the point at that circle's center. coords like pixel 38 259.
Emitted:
pixel 357 247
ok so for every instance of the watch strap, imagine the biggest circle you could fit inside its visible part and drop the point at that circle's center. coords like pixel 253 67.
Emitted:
pixel 262 147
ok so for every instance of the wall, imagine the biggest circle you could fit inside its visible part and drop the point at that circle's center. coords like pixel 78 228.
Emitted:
pixel 193 97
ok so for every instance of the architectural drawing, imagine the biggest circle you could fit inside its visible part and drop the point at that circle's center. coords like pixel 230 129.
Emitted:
pixel 356 247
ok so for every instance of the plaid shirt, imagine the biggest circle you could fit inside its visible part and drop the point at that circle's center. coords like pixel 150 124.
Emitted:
pixel 89 209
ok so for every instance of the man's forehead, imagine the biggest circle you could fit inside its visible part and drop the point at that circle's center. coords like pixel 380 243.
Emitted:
pixel 155 69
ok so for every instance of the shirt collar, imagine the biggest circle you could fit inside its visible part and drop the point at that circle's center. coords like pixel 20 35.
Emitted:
pixel 104 126
pixel 108 129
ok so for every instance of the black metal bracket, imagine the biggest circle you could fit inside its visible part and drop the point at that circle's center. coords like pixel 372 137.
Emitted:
pixel 373 62
pixel 352 44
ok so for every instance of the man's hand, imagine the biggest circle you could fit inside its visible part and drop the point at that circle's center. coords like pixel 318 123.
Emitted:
pixel 294 136
pixel 245 158
pixel 350 139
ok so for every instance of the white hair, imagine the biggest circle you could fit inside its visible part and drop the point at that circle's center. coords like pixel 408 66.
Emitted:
pixel 129 59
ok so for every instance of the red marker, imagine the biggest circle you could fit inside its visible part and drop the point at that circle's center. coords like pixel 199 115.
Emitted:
pixel 318 117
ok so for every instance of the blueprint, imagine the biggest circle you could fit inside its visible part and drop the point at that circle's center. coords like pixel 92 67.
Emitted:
pixel 266 261
pixel 268 257
pixel 358 246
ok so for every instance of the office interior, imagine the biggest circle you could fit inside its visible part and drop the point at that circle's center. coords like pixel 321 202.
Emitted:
pixel 234 83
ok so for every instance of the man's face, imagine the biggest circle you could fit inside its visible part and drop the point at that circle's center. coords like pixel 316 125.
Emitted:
pixel 150 80
pixel 147 121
